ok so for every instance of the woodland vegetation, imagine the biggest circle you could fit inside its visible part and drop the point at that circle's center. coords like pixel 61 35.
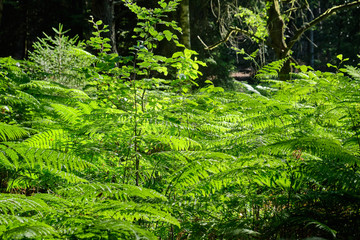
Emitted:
pixel 98 145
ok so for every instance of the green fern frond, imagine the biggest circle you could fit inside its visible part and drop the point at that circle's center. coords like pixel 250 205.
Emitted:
pixel 53 89
pixel 271 70
pixel 12 132
pixel 354 72
pixel 177 143
pixel 55 201
pixel 27 98
pixel 52 159
pixel 13 220
pixel 19 98
pixel 132 211
pixel 322 226
pixel 14 203
pixel 335 176
pixel 29 232
pixel 87 108
pixel 15 156
pixel 68 176
pixel 68 114
pixel 132 231
pixel 233 117
pixel 44 139
pixel 207 127
pixel 9 158
pixel 192 173
pixel 110 190
pixel 328 149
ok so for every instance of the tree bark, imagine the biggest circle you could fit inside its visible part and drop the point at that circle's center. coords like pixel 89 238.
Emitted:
pixel 104 10
pixel 185 23
pixel 276 28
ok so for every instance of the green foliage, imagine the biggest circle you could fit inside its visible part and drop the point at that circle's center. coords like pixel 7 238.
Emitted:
pixel 136 153
pixel 60 59
pixel 255 23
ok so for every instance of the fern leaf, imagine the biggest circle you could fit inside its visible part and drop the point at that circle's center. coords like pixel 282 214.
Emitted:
pixel 29 232
pixel 192 173
pixel 13 220
pixel 44 139
pixel 11 132
pixel 68 176
pixel 353 72
pixel 322 226
pixel 9 157
pixel 328 149
pixel 131 211
pixel 133 231
pixel 177 143
pixel 271 70
pixel 12 203
pixel 53 89
pixel 54 162
pixel 27 98
pixel 67 113
pixel 111 190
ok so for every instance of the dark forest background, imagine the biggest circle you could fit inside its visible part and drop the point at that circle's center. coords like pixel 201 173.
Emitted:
pixel 23 21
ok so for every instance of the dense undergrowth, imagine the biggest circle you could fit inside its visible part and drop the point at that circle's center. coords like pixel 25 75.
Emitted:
pixel 99 146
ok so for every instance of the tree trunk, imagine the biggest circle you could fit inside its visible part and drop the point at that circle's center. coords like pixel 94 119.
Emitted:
pixel 276 29
pixel 104 10
pixel 185 23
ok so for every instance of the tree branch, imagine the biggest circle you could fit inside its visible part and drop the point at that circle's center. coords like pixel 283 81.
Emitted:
pixel 317 20
pixel 228 35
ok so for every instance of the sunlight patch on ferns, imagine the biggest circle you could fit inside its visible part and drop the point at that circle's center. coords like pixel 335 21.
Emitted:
pixel 50 158
pixel 46 139
pixel 12 132
pixel 354 72
pixel 66 113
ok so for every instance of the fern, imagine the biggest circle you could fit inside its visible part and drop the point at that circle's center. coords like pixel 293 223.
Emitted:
pixel 326 148
pixel 126 230
pixel 11 132
pixel 131 211
pixel 353 72
pixel 115 191
pixel 271 70
pixel 34 231
pixel 45 139
pixel 53 89
pixel 11 204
